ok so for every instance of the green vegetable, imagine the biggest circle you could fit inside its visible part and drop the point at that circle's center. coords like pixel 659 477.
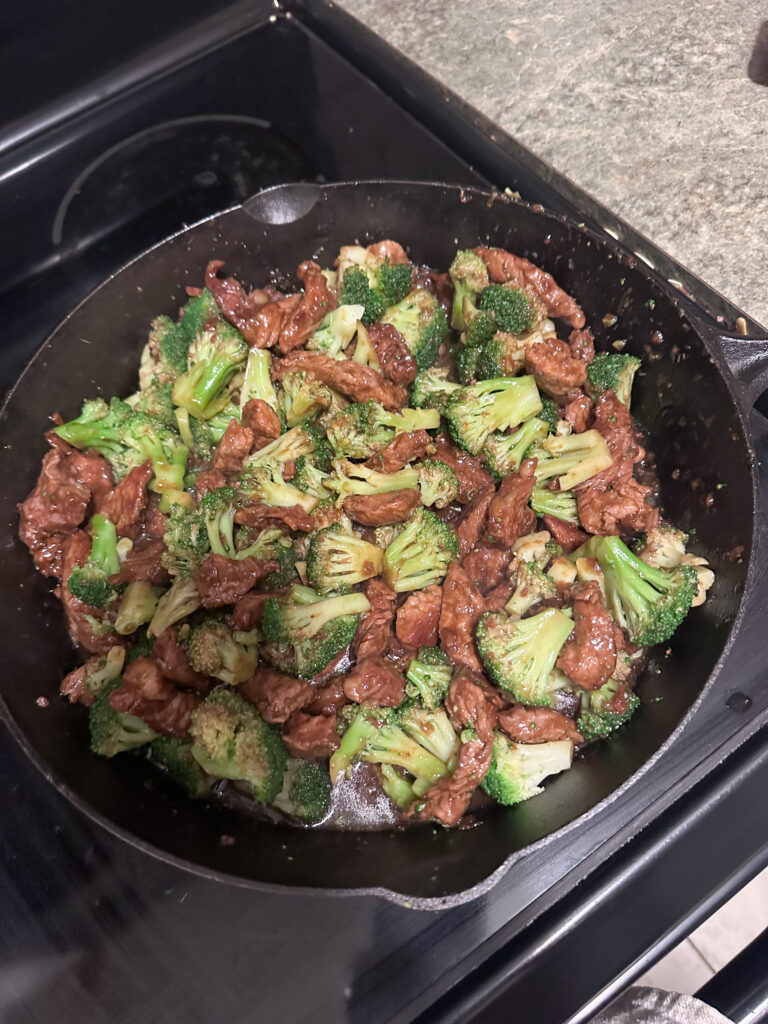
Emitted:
pixel 421 553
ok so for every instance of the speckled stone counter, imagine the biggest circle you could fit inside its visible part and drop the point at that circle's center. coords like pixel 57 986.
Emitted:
pixel 648 106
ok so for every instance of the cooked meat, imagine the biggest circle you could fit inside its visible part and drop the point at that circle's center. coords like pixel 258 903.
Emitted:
pixel 509 516
pixel 382 509
pixel 174 663
pixel 471 524
pixel 418 616
pixel 276 695
pixel 143 562
pixel 578 411
pixel 311 736
pixel 395 359
pixel 259 516
pixel 126 504
pixel 262 419
pixel 146 693
pixel 375 626
pixel 303 319
pixel 223 580
pixel 357 381
pixel 375 681
pixel 398 453
pixel 568 536
pixel 589 655
pixel 537 725
pixel 472 476
pixel 487 567
pixel 555 369
pixel 233 448
pixel 503 267
pixel 462 606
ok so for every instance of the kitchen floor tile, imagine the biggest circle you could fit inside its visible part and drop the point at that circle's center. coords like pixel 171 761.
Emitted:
pixel 735 925
pixel 683 969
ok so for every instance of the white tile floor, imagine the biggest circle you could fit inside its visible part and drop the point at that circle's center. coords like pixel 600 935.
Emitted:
pixel 691 964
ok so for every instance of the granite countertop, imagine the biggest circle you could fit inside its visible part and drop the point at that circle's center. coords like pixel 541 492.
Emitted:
pixel 647 106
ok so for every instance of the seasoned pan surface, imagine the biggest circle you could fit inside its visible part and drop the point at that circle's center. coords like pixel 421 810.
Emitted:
pixel 684 398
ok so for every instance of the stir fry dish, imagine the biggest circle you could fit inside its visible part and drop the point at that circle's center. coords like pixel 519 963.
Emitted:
pixel 396 526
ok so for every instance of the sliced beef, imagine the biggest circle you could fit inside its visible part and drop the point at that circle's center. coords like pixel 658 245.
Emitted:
pixel 375 626
pixel 75 551
pixel 143 562
pixel 209 480
pixel 311 736
pixel 154 522
pixel 614 422
pixel 582 345
pixel 537 725
pixel 472 476
pixel 554 368
pixel 578 411
pixel 303 320
pixel 73 687
pixel 504 267
pixel 328 699
pixel 395 359
pixel 59 503
pixel 568 536
pixel 497 598
pixel 399 453
pixel 509 515
pixel 174 663
pixel 375 681
pixel 468 707
pixel 472 522
pixel 462 606
pixel 261 418
pixel 623 507
pixel 126 504
pixel 418 617
pixel 249 610
pixel 223 581
pixel 382 509
pixel 589 655
pixel 487 567
pixel 258 516
pixel 258 315
pixel 357 381
pixel 234 446
pixel 388 251
pixel 146 693
pixel 276 695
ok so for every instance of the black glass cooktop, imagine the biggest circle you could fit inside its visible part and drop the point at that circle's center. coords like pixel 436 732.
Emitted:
pixel 96 932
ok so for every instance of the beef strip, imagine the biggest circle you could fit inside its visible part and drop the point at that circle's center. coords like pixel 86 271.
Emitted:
pixel 303 320
pixel 143 562
pixel 174 663
pixel 487 567
pixel 472 476
pixel 399 453
pixel 258 315
pixel 311 736
pixel 146 693
pixel 357 381
pixel 375 681
pixel 72 686
pixel 328 699
pixel 554 368
pixel 223 580
pixel 509 516
pixel 468 707
pixel 568 536
pixel 589 655
pixel 395 359
pixel 382 509
pixel 582 345
pixel 249 609
pixel 126 504
pixel 471 524
pixel 388 251
pixel 262 419
pixel 504 267
pixel 276 695
pixel 418 617
pixel 234 446
pixel 208 480
pixel 537 725
pixel 578 411
pixel 258 516
pixel 375 626
pixel 497 598
pixel 75 551
pixel 462 606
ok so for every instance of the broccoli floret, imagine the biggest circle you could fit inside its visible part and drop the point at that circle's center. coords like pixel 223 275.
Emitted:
pixel 364 428
pixel 155 401
pixel 465 358
pixel 476 411
pixel 397 785
pixel 327 512
pixel 140 648
pixel 172 343
pixel 99 671
pixel 199 311
pixel 429 677
pixel 480 330
pixel 186 541
pixel 521 654
pixel 336 331
pixel 423 324
pixel 432 729
pixel 503 453
pixel 432 389
pixel 393 280
pixel 337 560
pixel 215 355
pixel 355 478
pixel 421 552
pixel 511 308
pixel 365 351
pixel 137 606
pixel 518 769
pixel 257 382
pixel 265 484
pixel 175 756
pixel 176 604
pixel 89 583
pixel 438 483
pixel 113 732
pixel 356 290
pixel 306 792
pixel 549 413
pixel 310 479
pixel 502 356
pixel 318 629
pixel 374 735
pixel 664 547
pixel 604 710
pixel 232 741
pixel 218 509
pixel 613 372
pixel 281 549
pixel 290 446
pixel 573 458
pixel 213 650
pixel 303 398
pixel 560 504
pixel 469 275
pixel 531 586
pixel 649 603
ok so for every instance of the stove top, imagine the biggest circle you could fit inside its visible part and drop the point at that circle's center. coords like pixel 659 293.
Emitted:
pixel 95 931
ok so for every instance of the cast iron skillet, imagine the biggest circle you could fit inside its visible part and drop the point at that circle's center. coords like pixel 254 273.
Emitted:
pixel 686 397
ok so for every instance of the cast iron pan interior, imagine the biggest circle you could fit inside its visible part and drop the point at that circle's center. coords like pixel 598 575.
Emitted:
pixel 681 397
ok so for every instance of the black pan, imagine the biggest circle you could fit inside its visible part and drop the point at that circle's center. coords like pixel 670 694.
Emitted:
pixel 687 398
